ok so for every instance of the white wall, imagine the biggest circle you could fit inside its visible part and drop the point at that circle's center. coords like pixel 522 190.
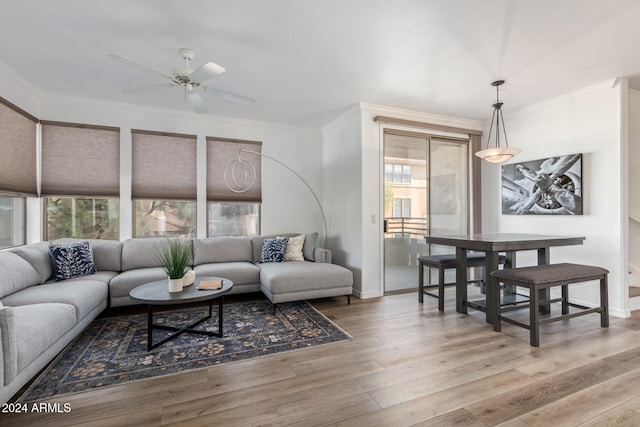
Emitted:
pixel 588 121
pixel 288 205
pixel 634 184
pixel 343 192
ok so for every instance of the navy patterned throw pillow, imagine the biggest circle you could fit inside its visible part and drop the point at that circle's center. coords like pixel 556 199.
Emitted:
pixel 73 260
pixel 273 250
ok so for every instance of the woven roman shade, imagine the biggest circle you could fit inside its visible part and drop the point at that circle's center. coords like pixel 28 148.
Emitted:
pixel 222 160
pixel 18 148
pixel 163 166
pixel 80 160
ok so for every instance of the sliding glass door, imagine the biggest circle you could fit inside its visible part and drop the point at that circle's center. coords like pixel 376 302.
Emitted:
pixel 425 193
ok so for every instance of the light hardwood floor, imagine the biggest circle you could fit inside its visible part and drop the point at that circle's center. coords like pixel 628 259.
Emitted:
pixel 407 364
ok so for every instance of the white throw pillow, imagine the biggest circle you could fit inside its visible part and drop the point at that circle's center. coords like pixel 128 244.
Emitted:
pixel 294 248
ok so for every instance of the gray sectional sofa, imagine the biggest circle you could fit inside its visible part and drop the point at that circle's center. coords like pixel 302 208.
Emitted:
pixel 39 316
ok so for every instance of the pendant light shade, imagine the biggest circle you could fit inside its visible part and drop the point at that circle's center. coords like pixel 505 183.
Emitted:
pixel 495 153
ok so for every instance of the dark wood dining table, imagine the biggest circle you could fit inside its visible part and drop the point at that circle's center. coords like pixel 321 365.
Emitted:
pixel 492 245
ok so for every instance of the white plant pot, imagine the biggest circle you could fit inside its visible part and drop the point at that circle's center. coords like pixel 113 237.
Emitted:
pixel 175 285
pixel 188 278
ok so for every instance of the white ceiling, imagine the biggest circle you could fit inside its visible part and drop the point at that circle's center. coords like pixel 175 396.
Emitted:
pixel 305 61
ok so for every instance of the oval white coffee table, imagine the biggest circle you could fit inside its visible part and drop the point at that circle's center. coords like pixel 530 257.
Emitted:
pixel 157 294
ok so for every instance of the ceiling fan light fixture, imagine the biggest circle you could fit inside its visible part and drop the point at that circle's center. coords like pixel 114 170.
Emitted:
pixel 181 72
pixel 497 154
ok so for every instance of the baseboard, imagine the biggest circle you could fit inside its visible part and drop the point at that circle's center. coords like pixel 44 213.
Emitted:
pixel 364 295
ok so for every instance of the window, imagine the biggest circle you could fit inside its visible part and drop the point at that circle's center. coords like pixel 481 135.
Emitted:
pixel 82 218
pixel 234 187
pixel 80 181
pixel 18 172
pixel 402 208
pixel 163 184
pixel 397 173
pixel 12 221
pixel 80 160
pixel 158 218
pixel 233 219
pixel 18 145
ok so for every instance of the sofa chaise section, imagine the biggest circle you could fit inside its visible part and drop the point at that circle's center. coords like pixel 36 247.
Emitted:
pixel 314 277
pixel 300 280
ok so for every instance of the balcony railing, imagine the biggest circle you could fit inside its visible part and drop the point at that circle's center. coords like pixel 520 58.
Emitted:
pixel 406 227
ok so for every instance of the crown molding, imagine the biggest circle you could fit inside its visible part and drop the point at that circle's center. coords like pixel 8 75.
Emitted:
pixel 420 116
pixel 52 99
pixel 607 84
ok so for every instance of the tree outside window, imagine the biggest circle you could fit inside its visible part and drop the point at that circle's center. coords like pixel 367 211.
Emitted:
pixel 159 218
pixel 82 218
pixel 233 219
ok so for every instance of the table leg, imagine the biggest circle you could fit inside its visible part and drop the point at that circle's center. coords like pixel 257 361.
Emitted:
pixel 178 330
pixel 604 301
pixel 493 289
pixel 219 315
pixel 149 327
pixel 544 294
pixel 461 280
pixel 510 263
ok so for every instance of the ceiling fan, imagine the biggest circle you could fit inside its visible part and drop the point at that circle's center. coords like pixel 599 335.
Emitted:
pixel 190 80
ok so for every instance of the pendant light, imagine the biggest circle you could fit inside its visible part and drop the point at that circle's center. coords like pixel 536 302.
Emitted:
pixel 497 154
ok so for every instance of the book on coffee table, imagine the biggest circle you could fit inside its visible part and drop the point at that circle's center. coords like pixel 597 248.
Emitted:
pixel 210 284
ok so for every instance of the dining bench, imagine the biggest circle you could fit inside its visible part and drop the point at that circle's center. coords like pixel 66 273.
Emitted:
pixel 542 277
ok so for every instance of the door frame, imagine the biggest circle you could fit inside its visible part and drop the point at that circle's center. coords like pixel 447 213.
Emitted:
pixel 473 176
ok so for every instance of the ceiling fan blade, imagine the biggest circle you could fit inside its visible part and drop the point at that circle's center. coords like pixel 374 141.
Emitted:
pixel 195 102
pixel 207 71
pixel 151 88
pixel 230 96
pixel 140 66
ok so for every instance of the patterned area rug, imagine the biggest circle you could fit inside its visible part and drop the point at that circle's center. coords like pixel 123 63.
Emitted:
pixel 114 350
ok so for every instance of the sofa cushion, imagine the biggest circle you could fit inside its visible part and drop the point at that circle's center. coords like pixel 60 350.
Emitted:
pixel 273 250
pixel 222 249
pixel 294 248
pixel 73 260
pixel 37 254
pixel 83 293
pixel 16 274
pixel 240 273
pixel 256 244
pixel 299 276
pixel 28 331
pixel 310 244
pixel 107 254
pixel 101 276
pixel 127 280
pixel 144 252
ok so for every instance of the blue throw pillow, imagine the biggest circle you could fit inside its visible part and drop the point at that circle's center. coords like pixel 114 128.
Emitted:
pixel 273 250
pixel 73 260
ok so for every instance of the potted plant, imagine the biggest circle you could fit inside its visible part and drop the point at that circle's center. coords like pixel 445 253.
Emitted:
pixel 175 260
